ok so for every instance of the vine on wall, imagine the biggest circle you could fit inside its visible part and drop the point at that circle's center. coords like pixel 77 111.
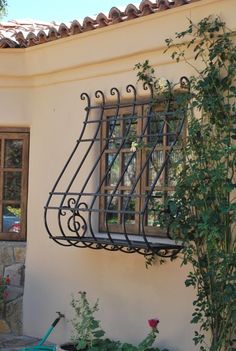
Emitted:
pixel 203 207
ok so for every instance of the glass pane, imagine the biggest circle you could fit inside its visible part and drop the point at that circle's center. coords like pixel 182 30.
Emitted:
pixel 128 205
pixel 155 163
pixel 130 131
pixel 13 153
pixel 174 165
pixel 154 203
pixel 155 128
pixel 114 172
pixel 11 218
pixel 129 161
pixel 12 186
pixel 172 130
pixel 112 204
pixel 113 133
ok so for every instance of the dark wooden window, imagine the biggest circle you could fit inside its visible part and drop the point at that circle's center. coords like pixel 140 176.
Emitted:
pixel 14 151
pixel 140 140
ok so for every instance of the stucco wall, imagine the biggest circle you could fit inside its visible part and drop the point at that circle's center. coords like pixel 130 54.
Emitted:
pixel 42 90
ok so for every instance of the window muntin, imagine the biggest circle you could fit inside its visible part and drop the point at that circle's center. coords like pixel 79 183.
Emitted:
pixel 14 148
pixel 139 139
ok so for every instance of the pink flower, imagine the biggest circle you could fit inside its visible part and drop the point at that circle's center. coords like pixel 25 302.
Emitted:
pixel 153 322
pixel 8 280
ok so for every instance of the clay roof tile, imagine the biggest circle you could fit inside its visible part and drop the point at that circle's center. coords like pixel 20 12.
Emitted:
pixel 147 7
pixel 63 30
pixel 21 39
pixel 76 27
pixel 116 15
pixel 164 4
pixel 52 34
pixel 7 43
pixel 23 33
pixel 102 20
pixel 42 37
pixel 132 12
pixel 89 23
pixel 32 39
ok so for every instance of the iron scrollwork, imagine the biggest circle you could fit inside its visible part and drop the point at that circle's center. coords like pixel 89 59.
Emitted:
pixel 76 214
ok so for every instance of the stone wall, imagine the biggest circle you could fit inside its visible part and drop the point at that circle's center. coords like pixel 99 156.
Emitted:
pixel 12 264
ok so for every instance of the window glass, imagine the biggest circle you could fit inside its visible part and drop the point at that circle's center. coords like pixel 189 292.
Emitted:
pixel 13 180
pixel 13 153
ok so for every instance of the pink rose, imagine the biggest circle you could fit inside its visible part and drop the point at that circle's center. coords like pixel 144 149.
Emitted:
pixel 153 322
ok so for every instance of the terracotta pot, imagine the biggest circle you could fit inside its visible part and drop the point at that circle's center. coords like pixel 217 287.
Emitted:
pixel 67 347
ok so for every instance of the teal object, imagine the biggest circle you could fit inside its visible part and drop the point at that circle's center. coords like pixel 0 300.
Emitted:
pixel 40 346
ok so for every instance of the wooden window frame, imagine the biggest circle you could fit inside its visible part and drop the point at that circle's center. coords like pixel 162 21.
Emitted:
pixel 15 133
pixel 142 185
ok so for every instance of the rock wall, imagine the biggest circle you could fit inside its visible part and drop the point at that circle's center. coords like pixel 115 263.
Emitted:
pixel 12 264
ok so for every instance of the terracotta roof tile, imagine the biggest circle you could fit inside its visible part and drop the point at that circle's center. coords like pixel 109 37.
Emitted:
pixel 63 30
pixel 116 15
pixel 89 24
pixel 76 28
pixel 147 7
pixel 132 12
pixel 25 33
pixel 102 20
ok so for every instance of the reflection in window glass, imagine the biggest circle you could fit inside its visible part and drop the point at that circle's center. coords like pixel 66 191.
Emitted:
pixel 13 153
pixel 12 186
pixel 174 162
pixel 154 166
pixel 114 165
pixel 112 204
pixel 113 133
pixel 128 203
pixel 11 218
pixel 172 130
pixel 155 200
pixel 156 128
pixel 130 132
pixel 129 161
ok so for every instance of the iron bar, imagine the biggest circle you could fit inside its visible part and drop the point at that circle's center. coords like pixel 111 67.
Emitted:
pixel 78 217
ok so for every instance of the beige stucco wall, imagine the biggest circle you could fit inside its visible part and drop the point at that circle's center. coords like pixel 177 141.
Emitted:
pixel 40 87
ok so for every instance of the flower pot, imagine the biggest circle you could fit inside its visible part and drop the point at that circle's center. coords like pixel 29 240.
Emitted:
pixel 67 347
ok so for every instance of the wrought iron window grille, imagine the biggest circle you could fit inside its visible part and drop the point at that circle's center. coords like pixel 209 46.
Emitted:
pixel 108 201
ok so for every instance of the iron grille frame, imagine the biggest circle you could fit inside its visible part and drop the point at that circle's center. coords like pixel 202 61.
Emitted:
pixel 74 217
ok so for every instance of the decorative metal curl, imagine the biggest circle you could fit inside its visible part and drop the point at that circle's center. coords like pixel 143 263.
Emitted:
pixel 148 86
pixel 85 96
pixel 185 83
pixel 76 221
pixel 131 89
pixel 114 91
pixel 99 94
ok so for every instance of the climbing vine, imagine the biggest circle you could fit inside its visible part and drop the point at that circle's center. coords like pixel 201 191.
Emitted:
pixel 203 207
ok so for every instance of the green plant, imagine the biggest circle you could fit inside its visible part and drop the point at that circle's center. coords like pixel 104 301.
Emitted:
pixel 88 335
pixel 14 210
pixel 203 208
pixel 87 330
pixel 3 8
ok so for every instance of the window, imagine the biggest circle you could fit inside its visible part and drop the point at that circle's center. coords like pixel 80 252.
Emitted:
pixel 14 148
pixel 136 172
pixel 120 170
